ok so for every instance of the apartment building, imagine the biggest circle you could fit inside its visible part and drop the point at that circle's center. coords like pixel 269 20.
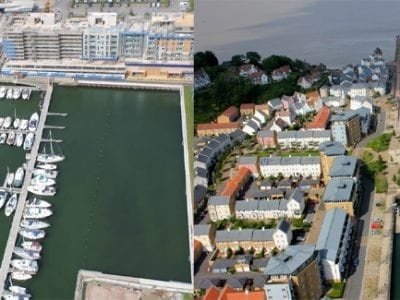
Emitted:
pixel 346 128
pixel 290 166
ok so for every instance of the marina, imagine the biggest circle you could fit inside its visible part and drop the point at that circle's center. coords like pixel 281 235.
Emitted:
pixel 30 229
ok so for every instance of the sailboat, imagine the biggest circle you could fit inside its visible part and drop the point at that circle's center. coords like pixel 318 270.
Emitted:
pixel 11 205
pixel 3 197
pixel 33 122
pixel 51 157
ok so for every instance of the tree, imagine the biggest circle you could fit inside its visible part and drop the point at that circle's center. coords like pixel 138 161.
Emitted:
pixel 253 57
pixel 204 60
pixel 211 59
pixel 238 60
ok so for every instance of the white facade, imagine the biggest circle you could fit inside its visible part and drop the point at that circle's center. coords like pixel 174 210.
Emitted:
pixel 282 239
pixel 358 102
pixel 296 166
pixel 358 89
pixel 303 139
pixel 295 209
pixel 219 212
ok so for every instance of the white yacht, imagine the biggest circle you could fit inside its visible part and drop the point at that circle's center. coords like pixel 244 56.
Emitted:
pixel 11 205
pixel 48 173
pixel 34 224
pixel 37 203
pixel 7 295
pixel 18 289
pixel 50 157
pixel 3 92
pixel 25 94
pixel 24 124
pixel 32 246
pixel 19 140
pixel 25 265
pixel 11 138
pixel 42 180
pixel 19 177
pixel 1 122
pixel 16 94
pixel 3 197
pixel 31 234
pixel 10 179
pixel 20 275
pixel 16 123
pixel 21 252
pixel 42 190
pixel 7 122
pixel 33 122
pixel 3 138
pixel 29 139
pixel 48 167
pixel 37 213
pixel 9 94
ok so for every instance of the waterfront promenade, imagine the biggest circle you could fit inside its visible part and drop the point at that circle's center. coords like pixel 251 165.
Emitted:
pixel 12 238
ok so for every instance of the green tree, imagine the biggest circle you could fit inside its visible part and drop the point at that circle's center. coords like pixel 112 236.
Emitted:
pixel 253 57
pixel 238 60
pixel 205 59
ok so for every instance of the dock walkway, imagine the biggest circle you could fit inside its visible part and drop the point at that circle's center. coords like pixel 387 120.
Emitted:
pixel 13 235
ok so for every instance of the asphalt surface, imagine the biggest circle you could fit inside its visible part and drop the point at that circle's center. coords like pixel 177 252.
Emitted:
pixel 361 230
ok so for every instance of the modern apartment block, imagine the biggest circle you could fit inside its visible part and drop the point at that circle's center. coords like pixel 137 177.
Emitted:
pixel 346 128
pixel 156 45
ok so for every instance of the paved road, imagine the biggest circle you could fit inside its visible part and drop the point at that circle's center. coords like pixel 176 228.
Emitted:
pixel 354 281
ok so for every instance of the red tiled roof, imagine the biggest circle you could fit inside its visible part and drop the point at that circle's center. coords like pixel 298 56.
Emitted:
pixel 247 106
pixel 197 244
pixel 233 185
pixel 211 294
pixel 321 119
pixel 227 289
pixel 242 295
pixel 230 111
pixel 312 97
pixel 214 126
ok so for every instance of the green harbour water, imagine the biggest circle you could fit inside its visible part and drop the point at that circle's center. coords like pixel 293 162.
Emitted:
pixel 120 206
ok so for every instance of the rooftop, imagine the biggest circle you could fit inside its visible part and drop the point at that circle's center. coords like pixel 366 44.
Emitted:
pixel 216 126
pixel 330 234
pixel 290 261
pixel 338 189
pixel 321 119
pixel 219 200
pixel 202 229
pixel 247 160
pixel 332 148
pixel 344 116
pixel 343 166
pixel 265 133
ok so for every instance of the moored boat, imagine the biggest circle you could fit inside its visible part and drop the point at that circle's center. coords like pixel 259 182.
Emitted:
pixel 10 179
pixel 32 234
pixel 16 123
pixel 19 140
pixel 20 275
pixel 33 121
pixel 37 213
pixel 19 177
pixel 34 224
pixel 11 205
pixel 16 94
pixel 32 246
pixel 11 138
pixel 25 265
pixel 3 92
pixel 42 190
pixel 3 138
pixel 48 173
pixel 7 122
pixel 23 124
pixel 30 137
pixel 9 94
pixel 1 122
pixel 25 94
pixel 47 166
pixel 7 295
pixel 21 252
pixel 3 197
pixel 42 180
pixel 38 203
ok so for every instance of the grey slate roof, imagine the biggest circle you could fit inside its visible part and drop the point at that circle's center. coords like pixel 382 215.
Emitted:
pixel 202 158
pixel 246 205
pixel 223 264
pixel 267 183
pixel 344 116
pixel 223 137
pixel 201 172
pixel 270 161
pixel 343 166
pixel 338 189
pixel 207 151
pixel 247 160
pixel 259 281
pixel 234 235
pixel 265 133
pixel 290 134
pixel 252 124
pixel 294 160
pixel 237 135
pixel 199 193
pixel 263 235
pixel 283 226
pixel 260 263
pixel 329 238
pixel 201 229
pixel 213 145
pixel 236 282
pixel 363 112
pixel 332 148
pixel 297 195
pixel 209 282
pixel 274 103
pixel 273 205
pixel 310 160
pixel 219 200
pixel 290 261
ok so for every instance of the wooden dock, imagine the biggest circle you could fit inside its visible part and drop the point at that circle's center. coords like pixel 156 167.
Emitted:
pixel 57 114
pixel 13 235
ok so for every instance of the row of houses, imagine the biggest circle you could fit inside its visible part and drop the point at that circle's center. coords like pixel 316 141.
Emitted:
pixel 306 166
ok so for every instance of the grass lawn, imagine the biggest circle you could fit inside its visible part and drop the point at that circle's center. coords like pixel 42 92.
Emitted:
pixel 188 91
pixel 367 156
pixel 337 290
pixel 381 183
pixel 380 143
